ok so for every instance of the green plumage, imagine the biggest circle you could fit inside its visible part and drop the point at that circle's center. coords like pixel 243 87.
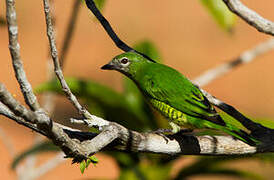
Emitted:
pixel 173 95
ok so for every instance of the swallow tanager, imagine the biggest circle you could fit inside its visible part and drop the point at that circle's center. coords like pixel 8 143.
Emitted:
pixel 173 95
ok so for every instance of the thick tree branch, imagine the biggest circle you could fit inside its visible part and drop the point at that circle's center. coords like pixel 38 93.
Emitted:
pixel 14 47
pixel 80 145
pixel 19 110
pixel 251 17
pixel 225 68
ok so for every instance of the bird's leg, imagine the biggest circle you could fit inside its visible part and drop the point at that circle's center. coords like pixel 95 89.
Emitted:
pixel 175 127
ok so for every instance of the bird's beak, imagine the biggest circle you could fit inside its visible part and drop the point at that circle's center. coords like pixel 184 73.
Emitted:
pixel 109 66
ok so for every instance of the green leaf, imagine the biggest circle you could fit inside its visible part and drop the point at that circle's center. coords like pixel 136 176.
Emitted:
pixel 94 159
pixel 83 166
pixel 85 163
pixel 45 146
pixel 220 13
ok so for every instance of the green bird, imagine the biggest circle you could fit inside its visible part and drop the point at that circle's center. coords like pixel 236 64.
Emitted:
pixel 173 95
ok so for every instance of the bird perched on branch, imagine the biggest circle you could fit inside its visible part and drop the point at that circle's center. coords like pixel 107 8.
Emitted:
pixel 173 95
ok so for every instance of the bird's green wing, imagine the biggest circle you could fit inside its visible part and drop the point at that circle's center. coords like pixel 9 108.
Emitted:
pixel 172 88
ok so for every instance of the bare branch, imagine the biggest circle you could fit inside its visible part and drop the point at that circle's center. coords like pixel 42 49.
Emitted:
pixel 132 141
pixel 9 114
pixel 14 47
pixel 19 110
pixel 29 116
pixel 80 145
pixel 251 17
pixel 225 68
pixel 57 67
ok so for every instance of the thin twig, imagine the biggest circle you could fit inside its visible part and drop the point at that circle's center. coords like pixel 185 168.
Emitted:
pixel 118 42
pixel 225 68
pixel 14 47
pixel 251 17
pixel 57 67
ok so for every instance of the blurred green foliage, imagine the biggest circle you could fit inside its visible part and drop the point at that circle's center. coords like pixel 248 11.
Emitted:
pixel 220 13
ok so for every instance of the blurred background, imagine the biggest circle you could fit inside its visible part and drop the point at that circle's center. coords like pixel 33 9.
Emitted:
pixel 187 37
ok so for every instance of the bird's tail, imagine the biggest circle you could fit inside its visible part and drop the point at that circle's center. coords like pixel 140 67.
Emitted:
pixel 241 135
pixel 236 132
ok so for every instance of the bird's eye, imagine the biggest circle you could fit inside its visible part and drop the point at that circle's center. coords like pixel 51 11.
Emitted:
pixel 124 61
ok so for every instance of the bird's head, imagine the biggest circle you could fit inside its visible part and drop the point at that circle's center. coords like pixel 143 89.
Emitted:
pixel 128 63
